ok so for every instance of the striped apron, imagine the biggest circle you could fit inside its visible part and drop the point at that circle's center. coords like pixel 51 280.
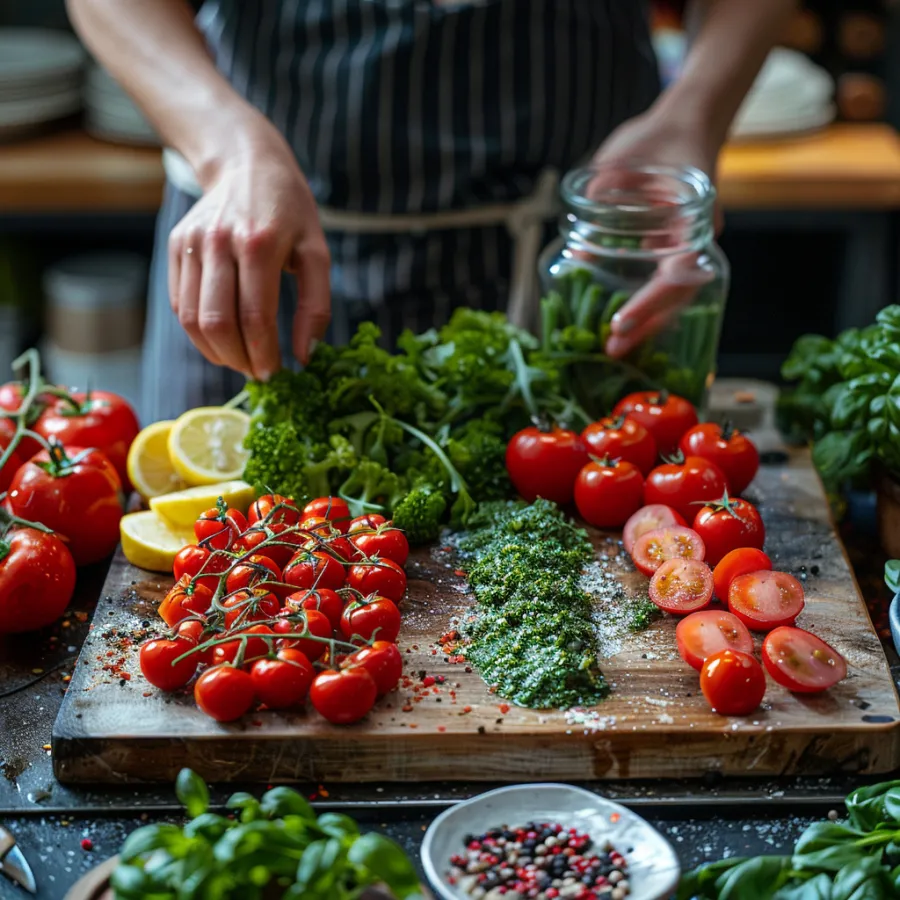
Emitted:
pixel 422 110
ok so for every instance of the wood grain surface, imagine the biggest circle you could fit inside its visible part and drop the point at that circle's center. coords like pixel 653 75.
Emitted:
pixel 113 727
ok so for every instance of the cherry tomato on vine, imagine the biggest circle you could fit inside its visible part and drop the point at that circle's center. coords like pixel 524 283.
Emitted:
pixel 15 461
pixel 368 522
pixel 653 548
pixel 378 576
pixel 184 599
pixel 666 416
pixel 311 621
pixel 334 509
pixel 373 617
pixel 195 632
pixel 320 534
pixel 743 561
pixel 387 542
pixel 219 528
pixel 224 693
pixel 257 645
pixel 248 606
pixel 649 518
pixel 545 463
pixel 283 682
pixel 322 600
pixel 190 560
pixel 701 634
pixel 621 437
pixel 77 493
pixel 729 524
pixel 608 493
pixel 384 663
pixel 314 569
pixel 681 586
pixel 723 445
pixel 343 697
pixel 684 485
pixel 277 541
pixel 802 662
pixel 733 683
pixel 254 571
pixel 766 600
pixel 158 665
pixel 273 509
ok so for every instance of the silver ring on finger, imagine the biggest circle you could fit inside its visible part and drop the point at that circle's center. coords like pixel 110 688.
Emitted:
pixel 189 250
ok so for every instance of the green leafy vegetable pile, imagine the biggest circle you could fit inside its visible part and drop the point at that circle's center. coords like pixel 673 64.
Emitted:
pixel 276 847
pixel 854 860
pixel 847 399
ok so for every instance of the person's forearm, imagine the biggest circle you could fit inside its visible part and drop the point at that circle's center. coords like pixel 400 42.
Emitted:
pixel 730 42
pixel 157 53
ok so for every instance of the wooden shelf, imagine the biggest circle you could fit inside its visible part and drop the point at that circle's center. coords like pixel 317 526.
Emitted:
pixel 844 167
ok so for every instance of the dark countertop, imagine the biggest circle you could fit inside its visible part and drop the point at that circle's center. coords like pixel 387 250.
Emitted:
pixel 703 820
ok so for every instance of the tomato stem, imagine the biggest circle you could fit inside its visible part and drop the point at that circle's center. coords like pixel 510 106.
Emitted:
pixel 10 520
pixel 728 430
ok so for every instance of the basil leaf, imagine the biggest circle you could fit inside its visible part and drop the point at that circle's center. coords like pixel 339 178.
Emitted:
pixel 864 880
pixel 828 846
pixel 192 792
pixel 754 879
pixel 865 806
pixel 282 801
pixel 818 888
pixel 133 883
pixel 338 826
pixel 386 862
pixel 208 826
pixel 701 882
pixel 247 804
pixel 318 869
pixel 150 838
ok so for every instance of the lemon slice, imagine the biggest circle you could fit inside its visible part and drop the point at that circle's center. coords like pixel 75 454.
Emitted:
pixel 206 445
pixel 149 468
pixel 182 508
pixel 149 542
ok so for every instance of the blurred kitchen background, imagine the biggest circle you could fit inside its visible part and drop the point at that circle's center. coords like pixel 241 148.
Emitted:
pixel 810 187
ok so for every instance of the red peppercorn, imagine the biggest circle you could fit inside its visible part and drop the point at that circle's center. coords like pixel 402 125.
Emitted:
pixel 87 844
pixel 552 893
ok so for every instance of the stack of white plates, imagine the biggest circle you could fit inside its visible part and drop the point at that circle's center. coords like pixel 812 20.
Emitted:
pixel 111 115
pixel 790 95
pixel 40 79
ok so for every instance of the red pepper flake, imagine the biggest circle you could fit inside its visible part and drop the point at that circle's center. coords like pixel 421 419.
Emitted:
pixel 323 793
pixel 126 676
pixel 465 710
pixel 428 681
pixel 504 708
pixel 435 690
pixel 256 722
pixel 407 708
pixel 442 728
pixel 459 573
pixel 147 694
pixel 413 725
pixel 87 844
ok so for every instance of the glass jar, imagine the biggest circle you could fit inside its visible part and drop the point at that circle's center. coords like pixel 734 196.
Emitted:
pixel 630 231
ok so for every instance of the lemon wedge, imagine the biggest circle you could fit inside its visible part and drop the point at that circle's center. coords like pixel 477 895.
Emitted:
pixel 149 542
pixel 206 445
pixel 182 508
pixel 149 468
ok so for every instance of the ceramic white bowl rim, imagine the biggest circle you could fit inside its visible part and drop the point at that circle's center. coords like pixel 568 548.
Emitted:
pixel 654 869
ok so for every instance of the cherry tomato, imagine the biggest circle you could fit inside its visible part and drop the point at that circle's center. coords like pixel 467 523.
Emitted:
pixel 384 663
pixel 378 576
pixel 224 693
pixel 343 697
pixel 191 560
pixel 158 666
pixel 682 586
pixel 319 534
pixel 314 569
pixel 100 419
pixel 545 463
pixel 256 646
pixel 728 449
pixel 649 518
pixel 255 571
pixel 387 542
pixel 607 494
pixel 184 599
pixel 218 529
pixel 374 617
pixel 37 579
pixel 11 396
pixel 664 415
pixel 738 562
pixel 701 634
pixel 621 437
pixel 283 682
pixel 248 606
pixel 195 632
pixel 653 548
pixel 332 508
pixel 15 461
pixel 802 662
pixel 273 509
pixel 685 486
pixel 729 525
pixel 766 600
pixel 733 683
pixel 322 600
pixel 77 493
pixel 279 546
pixel 309 621
pixel 369 522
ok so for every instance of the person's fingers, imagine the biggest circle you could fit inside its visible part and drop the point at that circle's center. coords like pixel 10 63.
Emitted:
pixel 618 346
pixel 312 264
pixel 190 277
pixel 176 248
pixel 217 312
pixel 259 280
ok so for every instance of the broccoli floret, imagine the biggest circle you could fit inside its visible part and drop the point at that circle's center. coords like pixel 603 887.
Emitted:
pixel 295 397
pixel 370 487
pixel 278 458
pixel 329 464
pixel 420 513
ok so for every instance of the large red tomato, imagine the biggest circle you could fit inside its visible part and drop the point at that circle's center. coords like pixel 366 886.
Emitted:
pixel 733 453
pixel 684 485
pixel 607 493
pixel 99 419
pixel 664 415
pixel 545 463
pixel 729 524
pixel 77 493
pixel 37 578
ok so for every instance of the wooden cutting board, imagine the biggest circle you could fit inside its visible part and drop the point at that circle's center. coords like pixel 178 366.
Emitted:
pixel 113 727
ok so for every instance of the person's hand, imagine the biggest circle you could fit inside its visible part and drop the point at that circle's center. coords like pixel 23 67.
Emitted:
pixel 658 138
pixel 257 218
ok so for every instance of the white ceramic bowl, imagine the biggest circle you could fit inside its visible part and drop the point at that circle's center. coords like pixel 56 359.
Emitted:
pixel 653 868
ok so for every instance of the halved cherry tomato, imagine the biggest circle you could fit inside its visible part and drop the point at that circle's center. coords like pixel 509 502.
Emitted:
pixel 256 646
pixel 283 682
pixel 190 560
pixel 608 493
pixel 653 548
pixel 248 606
pixel 666 416
pixel 733 683
pixel 344 697
pixel 649 518
pixel 322 600
pixel 334 509
pixel 739 562
pixel 730 450
pixel 545 463
pixel 766 600
pixel 622 437
pixel 387 542
pixel 314 569
pixel 309 621
pixel 701 634
pixel 802 662
pixel 384 663
pixel 218 528
pixel 681 586
pixel 157 660
pixel 273 509
pixel 378 576
pixel 224 693
pixel 184 599
pixel 373 617
pixel 727 525
pixel 685 485
pixel 254 571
